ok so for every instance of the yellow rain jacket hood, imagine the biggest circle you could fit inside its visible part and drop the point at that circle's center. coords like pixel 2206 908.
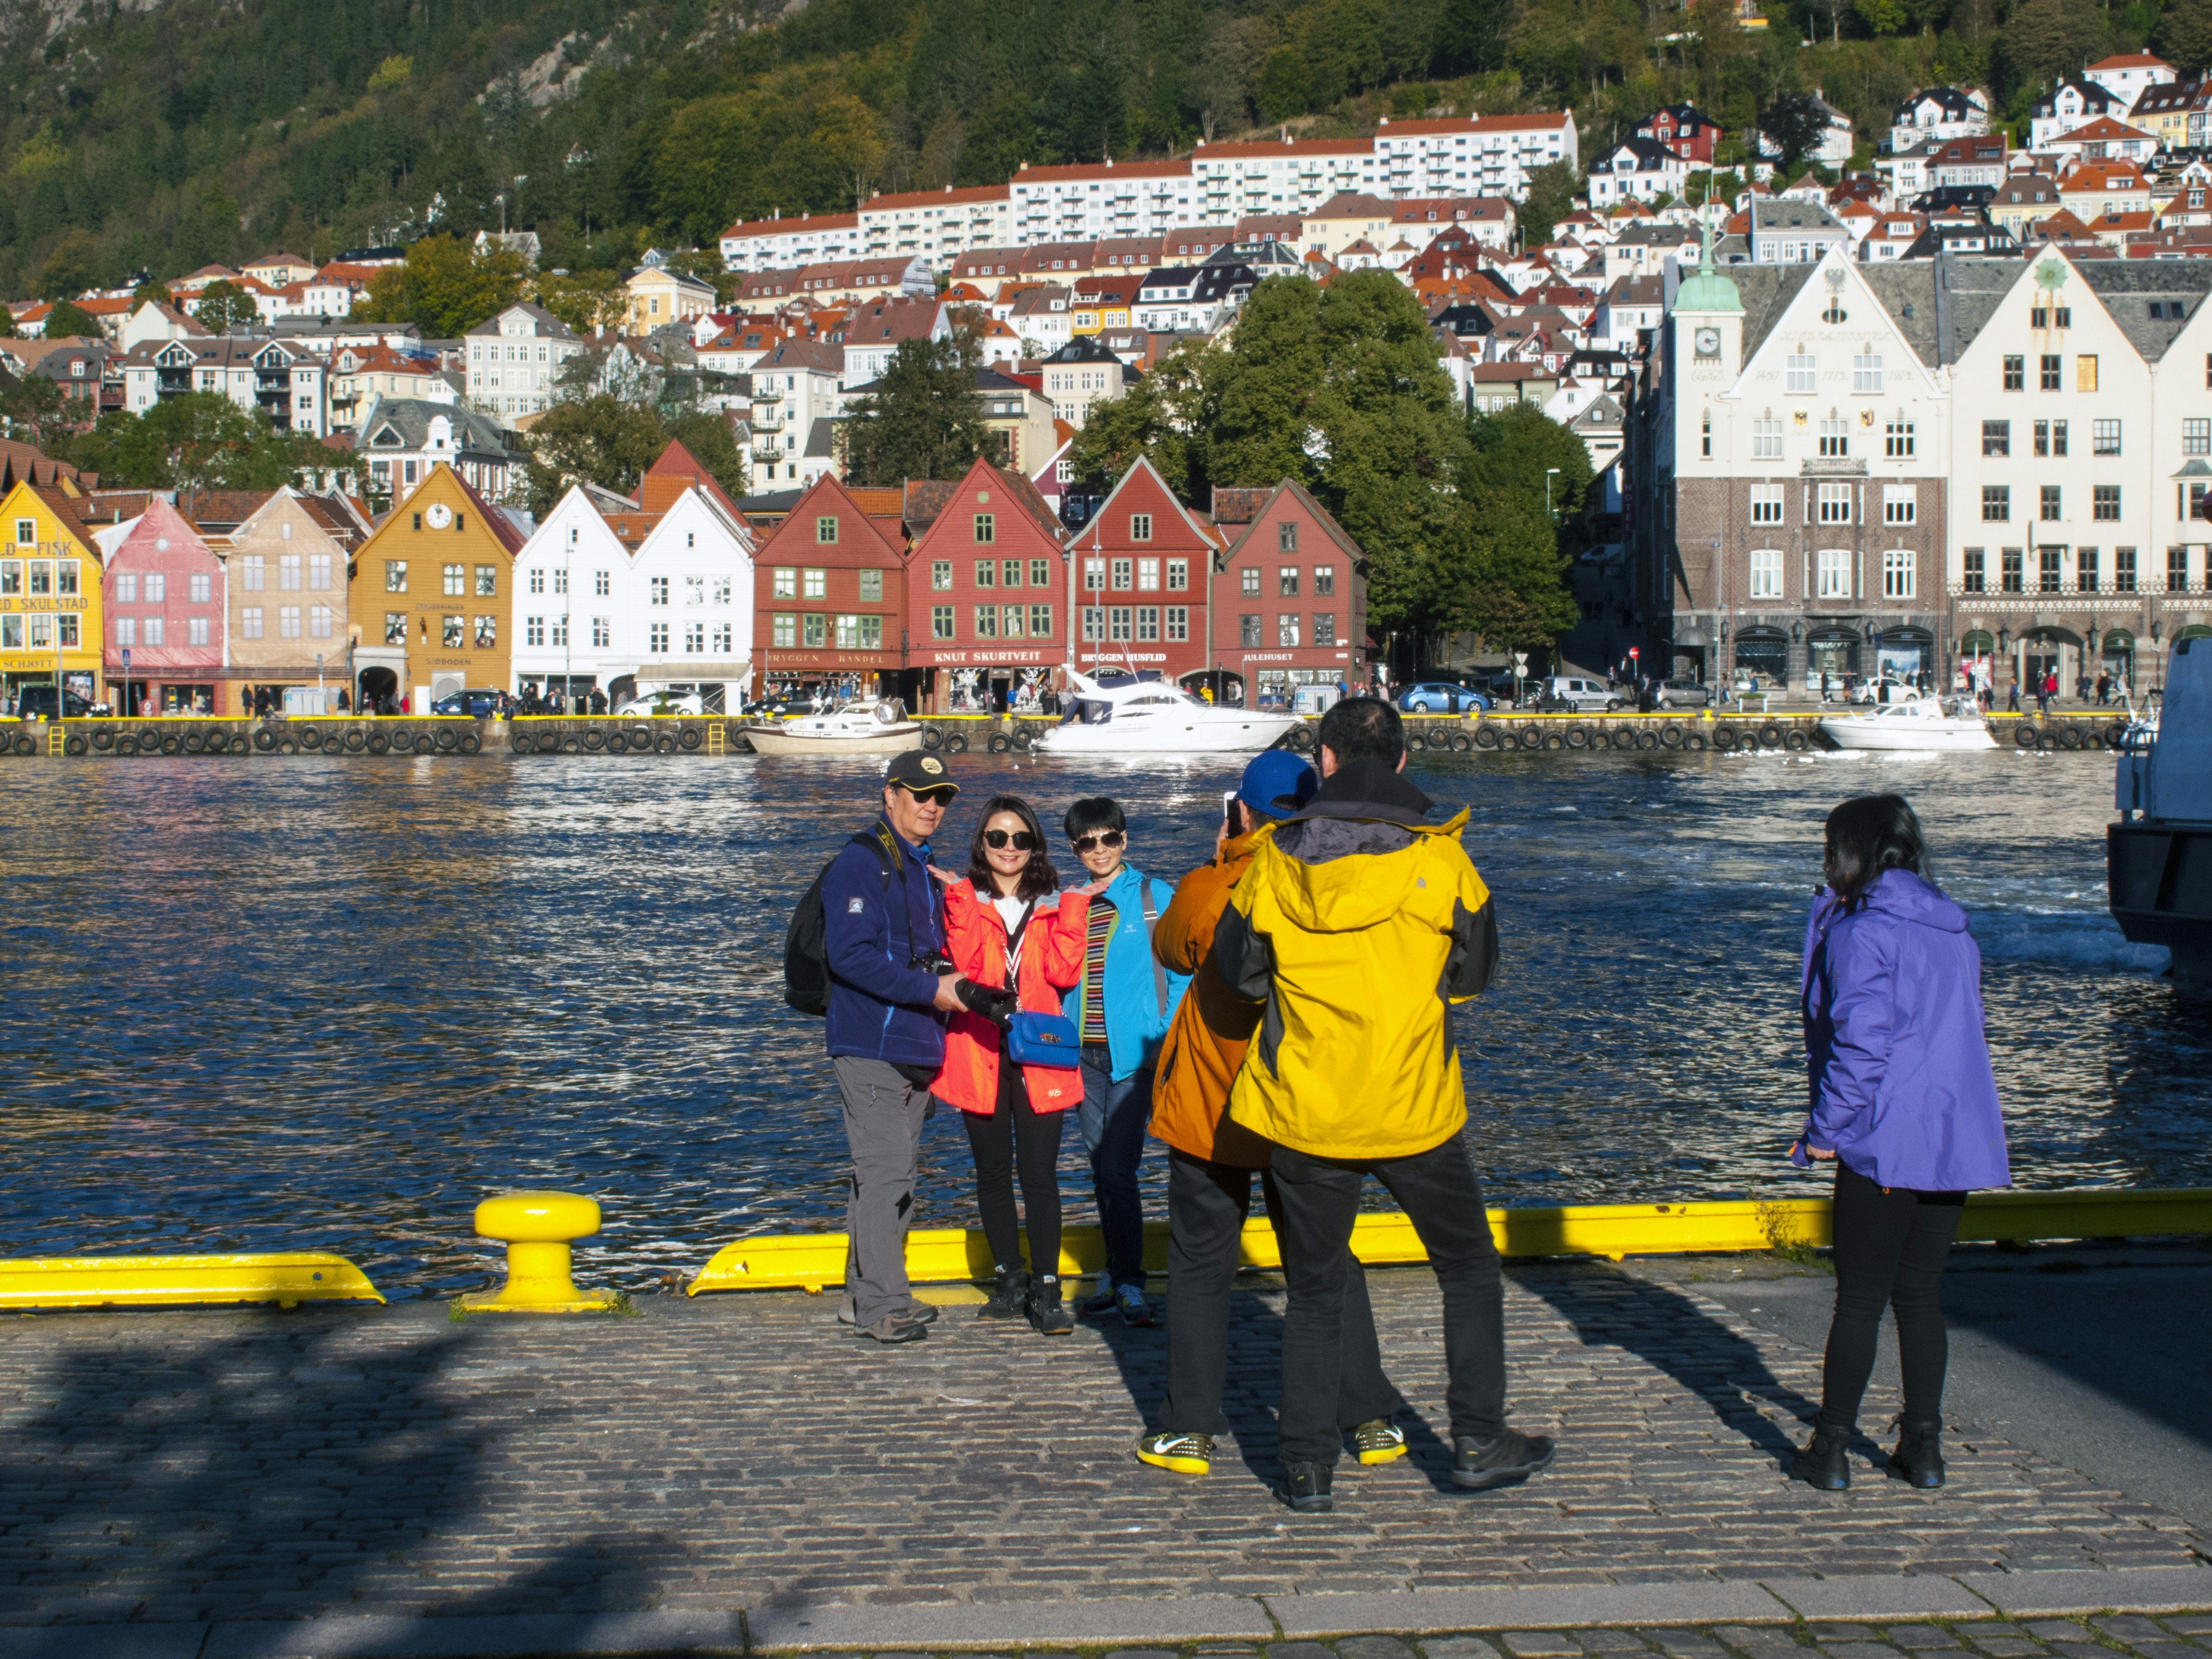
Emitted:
pixel 1359 924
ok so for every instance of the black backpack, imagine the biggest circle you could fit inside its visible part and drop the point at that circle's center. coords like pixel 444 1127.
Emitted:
pixel 806 945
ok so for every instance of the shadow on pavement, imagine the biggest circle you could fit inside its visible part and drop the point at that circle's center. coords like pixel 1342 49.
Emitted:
pixel 1668 1331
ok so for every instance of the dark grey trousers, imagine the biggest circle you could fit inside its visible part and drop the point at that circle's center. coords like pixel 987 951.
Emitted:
pixel 884 1115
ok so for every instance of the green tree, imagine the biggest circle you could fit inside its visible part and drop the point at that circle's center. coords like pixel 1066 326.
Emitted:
pixel 69 319
pixel 602 440
pixel 922 420
pixel 1157 417
pixel 1551 191
pixel 31 409
pixel 224 308
pixel 71 267
pixel 1794 124
pixel 445 288
pixel 2184 35
pixel 1502 566
pixel 587 301
pixel 199 441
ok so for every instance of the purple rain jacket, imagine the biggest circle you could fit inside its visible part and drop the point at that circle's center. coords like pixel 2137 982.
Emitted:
pixel 1898 1063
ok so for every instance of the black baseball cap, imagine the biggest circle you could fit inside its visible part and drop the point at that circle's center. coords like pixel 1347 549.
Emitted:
pixel 918 773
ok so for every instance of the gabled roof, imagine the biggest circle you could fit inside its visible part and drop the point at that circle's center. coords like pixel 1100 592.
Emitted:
pixel 878 509
pixel 1320 514
pixel 926 500
pixel 1143 465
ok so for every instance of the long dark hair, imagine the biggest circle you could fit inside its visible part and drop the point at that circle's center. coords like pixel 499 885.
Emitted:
pixel 1867 834
pixel 1038 876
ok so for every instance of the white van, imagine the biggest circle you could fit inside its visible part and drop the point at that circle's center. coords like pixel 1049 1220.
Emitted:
pixel 1584 697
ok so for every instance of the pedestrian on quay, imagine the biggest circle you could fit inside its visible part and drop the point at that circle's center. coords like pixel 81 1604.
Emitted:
pixel 1905 1104
pixel 889 988
pixel 1121 1005
pixel 2012 697
pixel 1358 923
pixel 1009 928
pixel 1212 1160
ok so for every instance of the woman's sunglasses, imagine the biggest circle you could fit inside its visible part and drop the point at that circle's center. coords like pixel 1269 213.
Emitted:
pixel 1111 838
pixel 996 839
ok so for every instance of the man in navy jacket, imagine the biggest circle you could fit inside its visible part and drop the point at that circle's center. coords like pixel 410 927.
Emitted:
pixel 886 1030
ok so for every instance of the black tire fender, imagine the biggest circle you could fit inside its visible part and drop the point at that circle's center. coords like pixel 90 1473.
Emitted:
pixel 1485 736
pixel 1671 735
pixel 1796 740
pixel 356 740
pixel 447 740
pixel 1724 739
pixel 641 738
pixel 1770 735
pixel 1694 742
pixel 2115 735
pixel 265 740
pixel 103 741
pixel 1461 742
pixel 932 737
pixel 1415 743
pixel 689 738
pixel 376 742
pixel 472 744
pixel 997 743
pixel 1578 737
pixel 519 744
pixel 956 742
pixel 75 744
pixel 594 741
pixel 1647 739
pixel 194 743
pixel 125 745
pixel 170 744
pixel 2024 735
pixel 664 744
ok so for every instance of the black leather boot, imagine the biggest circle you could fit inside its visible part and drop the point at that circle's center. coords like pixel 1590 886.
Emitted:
pixel 1010 1294
pixel 1821 1463
pixel 1305 1487
pixel 1918 1459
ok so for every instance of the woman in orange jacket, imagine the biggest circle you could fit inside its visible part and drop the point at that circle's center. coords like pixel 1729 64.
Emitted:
pixel 1008 928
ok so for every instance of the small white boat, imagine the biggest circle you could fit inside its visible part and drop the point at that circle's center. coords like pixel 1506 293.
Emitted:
pixel 858 728
pixel 1149 717
pixel 1925 723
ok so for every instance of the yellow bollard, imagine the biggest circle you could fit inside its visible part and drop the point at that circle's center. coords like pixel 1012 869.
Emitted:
pixel 537 1229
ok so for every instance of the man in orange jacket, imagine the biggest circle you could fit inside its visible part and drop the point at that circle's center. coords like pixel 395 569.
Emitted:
pixel 1212 1161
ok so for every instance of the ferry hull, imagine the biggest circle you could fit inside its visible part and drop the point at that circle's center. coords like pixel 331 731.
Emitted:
pixel 2159 875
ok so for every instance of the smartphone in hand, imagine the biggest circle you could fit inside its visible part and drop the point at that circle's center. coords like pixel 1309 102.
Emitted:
pixel 1232 824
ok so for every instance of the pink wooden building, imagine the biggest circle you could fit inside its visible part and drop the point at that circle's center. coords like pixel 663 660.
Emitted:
pixel 163 595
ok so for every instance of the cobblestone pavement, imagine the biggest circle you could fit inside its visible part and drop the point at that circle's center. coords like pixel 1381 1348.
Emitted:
pixel 744 1451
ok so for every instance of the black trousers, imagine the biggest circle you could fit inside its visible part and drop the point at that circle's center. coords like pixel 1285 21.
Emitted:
pixel 1890 1245
pixel 1017 1136
pixel 1440 1193
pixel 1207 1205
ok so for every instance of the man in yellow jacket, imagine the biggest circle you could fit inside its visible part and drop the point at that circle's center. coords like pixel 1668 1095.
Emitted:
pixel 1210 1161
pixel 1358 925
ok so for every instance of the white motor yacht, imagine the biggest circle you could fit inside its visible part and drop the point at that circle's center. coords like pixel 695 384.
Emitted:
pixel 858 728
pixel 1925 723
pixel 1149 717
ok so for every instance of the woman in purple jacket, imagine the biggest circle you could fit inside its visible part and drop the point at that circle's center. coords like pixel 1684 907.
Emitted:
pixel 1905 1102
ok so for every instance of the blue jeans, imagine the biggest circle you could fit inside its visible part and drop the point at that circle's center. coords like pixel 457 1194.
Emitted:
pixel 1114 1116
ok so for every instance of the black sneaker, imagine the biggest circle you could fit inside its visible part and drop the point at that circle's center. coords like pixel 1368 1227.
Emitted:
pixel 1480 1465
pixel 1305 1487
pixel 894 1327
pixel 1010 1294
pixel 1100 1301
pixel 1047 1311
pixel 1378 1440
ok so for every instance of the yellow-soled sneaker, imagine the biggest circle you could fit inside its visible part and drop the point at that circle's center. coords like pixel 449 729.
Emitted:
pixel 1186 1453
pixel 1379 1440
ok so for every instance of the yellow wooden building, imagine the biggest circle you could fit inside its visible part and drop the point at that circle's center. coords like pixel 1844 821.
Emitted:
pixel 432 593
pixel 50 610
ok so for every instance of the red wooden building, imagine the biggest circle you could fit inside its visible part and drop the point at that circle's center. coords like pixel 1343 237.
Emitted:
pixel 1291 602
pixel 987 590
pixel 1145 561
pixel 829 586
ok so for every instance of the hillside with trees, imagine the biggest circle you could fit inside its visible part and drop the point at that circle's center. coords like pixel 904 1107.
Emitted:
pixel 164 137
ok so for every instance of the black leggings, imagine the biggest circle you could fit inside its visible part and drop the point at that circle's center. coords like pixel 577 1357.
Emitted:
pixel 1890 1244
pixel 1017 1133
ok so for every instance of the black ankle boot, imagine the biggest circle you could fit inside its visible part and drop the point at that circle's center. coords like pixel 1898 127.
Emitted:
pixel 1010 1294
pixel 1047 1311
pixel 1918 1459
pixel 1820 1462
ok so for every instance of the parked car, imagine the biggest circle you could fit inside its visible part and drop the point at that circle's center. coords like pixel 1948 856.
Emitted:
pixel 1684 694
pixel 476 703
pixel 1887 689
pixel 1441 697
pixel 36 703
pixel 1584 697
pixel 661 702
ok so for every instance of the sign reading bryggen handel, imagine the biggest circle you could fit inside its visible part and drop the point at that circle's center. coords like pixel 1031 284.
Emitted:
pixel 774 660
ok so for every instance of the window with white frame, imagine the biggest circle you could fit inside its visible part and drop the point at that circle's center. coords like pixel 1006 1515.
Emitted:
pixel 1833 566
pixel 1766 573
pixel 1802 373
pixel 1766 439
pixel 1866 372
pixel 1766 503
pixel 1835 437
pixel 1898 441
pixel 1834 503
pixel 1897 568
pixel 1899 504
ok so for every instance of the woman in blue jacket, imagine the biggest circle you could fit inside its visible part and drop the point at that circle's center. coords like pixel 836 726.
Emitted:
pixel 1905 1103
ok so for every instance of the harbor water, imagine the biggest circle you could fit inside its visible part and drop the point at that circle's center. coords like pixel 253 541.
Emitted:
pixel 307 1003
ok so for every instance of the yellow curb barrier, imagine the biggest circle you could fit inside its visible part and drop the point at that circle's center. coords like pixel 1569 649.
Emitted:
pixel 157 1281
pixel 811 1261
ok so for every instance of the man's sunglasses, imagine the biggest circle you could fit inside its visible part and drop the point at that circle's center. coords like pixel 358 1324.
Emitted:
pixel 934 797
pixel 996 839
pixel 1111 838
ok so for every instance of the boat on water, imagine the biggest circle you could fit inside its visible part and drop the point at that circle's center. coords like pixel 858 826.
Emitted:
pixel 857 728
pixel 1925 723
pixel 2158 858
pixel 1149 717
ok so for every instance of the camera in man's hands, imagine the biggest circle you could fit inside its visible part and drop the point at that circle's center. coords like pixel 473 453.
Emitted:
pixel 997 1006
pixel 933 961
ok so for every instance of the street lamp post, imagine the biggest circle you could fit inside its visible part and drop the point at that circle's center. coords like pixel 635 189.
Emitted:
pixel 1550 473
